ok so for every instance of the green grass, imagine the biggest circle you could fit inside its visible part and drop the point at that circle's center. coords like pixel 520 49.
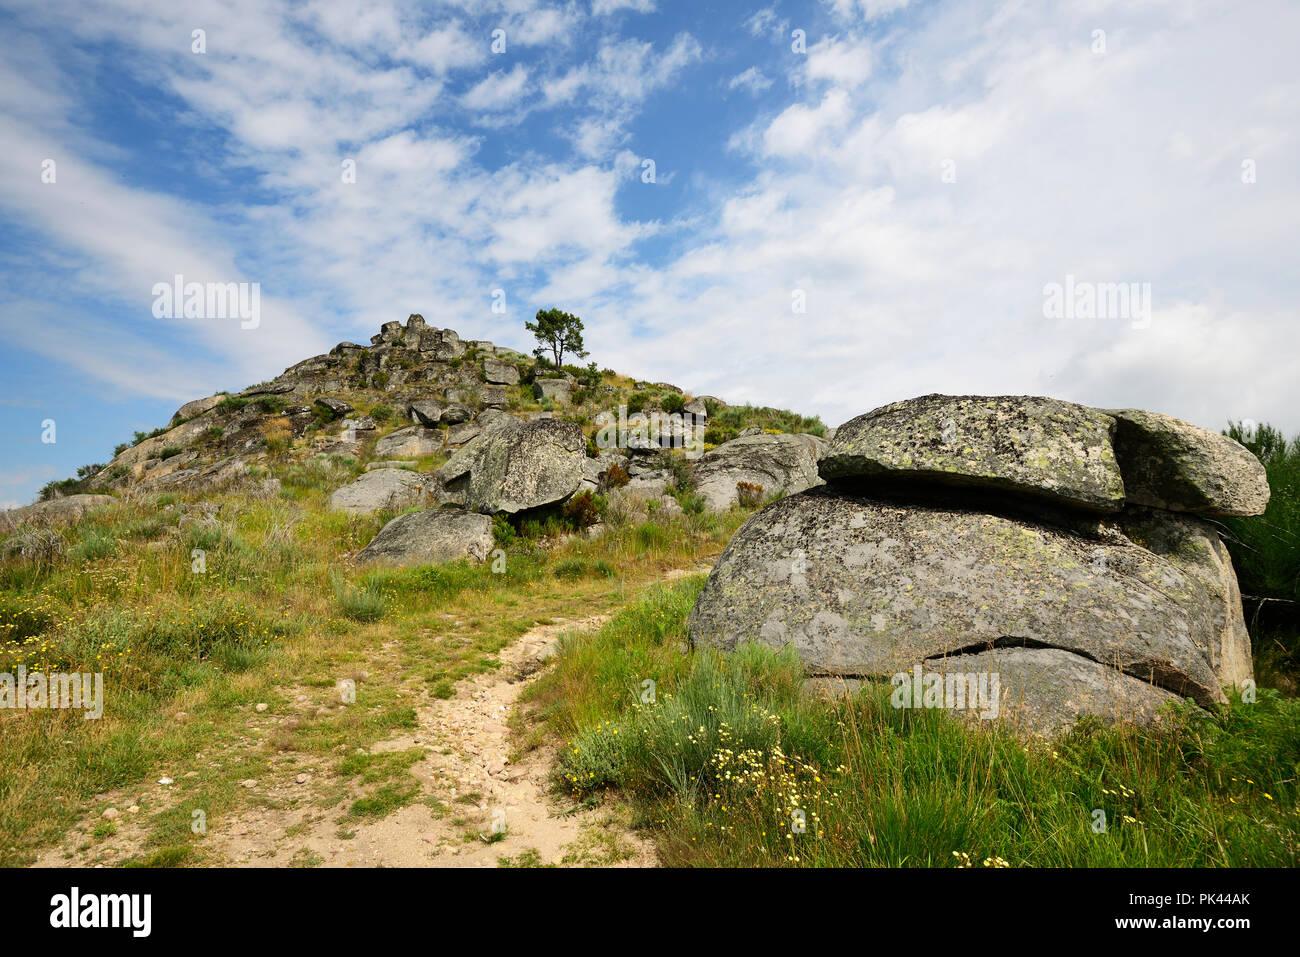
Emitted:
pixel 276 616
pixel 724 753
pixel 726 421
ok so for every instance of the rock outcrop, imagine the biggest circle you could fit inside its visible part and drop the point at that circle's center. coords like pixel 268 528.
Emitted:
pixel 381 489
pixel 777 463
pixel 515 466
pixel 957 534
pixel 1035 446
pixel 431 537
pixel 56 511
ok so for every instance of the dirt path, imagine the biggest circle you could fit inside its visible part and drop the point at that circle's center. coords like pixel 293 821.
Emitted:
pixel 475 807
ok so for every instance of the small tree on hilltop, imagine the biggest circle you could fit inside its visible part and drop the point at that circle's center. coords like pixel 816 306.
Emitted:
pixel 557 332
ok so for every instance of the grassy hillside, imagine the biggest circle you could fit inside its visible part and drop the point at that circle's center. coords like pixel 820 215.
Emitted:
pixel 278 615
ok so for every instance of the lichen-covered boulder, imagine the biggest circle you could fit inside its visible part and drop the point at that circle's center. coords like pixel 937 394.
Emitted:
pixel 431 537
pixel 513 466
pixel 868 587
pixel 778 463
pixel 500 373
pixel 411 442
pixel 1023 444
pixel 382 489
pixel 1172 464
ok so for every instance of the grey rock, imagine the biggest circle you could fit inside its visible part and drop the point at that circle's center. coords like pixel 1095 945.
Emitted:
pixel 779 463
pixel 1044 691
pixel 56 511
pixel 500 373
pixel 866 587
pixel 411 442
pixel 555 389
pixel 460 434
pixel 425 412
pixel 1172 464
pixel 455 414
pixel 337 408
pixel 381 489
pixel 197 407
pixel 431 537
pixel 514 467
pixel 1021 444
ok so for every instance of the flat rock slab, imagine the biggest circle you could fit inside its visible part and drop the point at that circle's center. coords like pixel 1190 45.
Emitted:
pixel 411 442
pixel 1172 464
pixel 381 489
pixel 431 537
pixel 868 588
pixel 1024 444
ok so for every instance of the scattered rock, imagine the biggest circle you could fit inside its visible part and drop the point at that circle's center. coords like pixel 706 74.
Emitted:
pixel 778 463
pixel 380 489
pixel 513 467
pixel 431 537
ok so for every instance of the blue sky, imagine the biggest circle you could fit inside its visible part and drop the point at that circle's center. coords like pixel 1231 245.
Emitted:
pixel 918 172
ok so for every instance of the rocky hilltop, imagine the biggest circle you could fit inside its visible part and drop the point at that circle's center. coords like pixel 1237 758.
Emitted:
pixel 440 422
pixel 1067 550
pixel 1062 548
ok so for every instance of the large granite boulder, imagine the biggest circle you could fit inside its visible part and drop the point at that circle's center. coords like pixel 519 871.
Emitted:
pixel 425 412
pixel 382 489
pixel 1027 445
pixel 411 442
pixel 500 373
pixel 1172 464
pixel 779 463
pixel 870 587
pixel 431 537
pixel 512 466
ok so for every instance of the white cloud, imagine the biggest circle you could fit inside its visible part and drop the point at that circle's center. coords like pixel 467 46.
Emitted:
pixel 751 80
pixel 846 63
pixel 498 90
pixel 602 7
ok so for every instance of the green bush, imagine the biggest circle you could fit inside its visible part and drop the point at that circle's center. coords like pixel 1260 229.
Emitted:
pixel 1265 551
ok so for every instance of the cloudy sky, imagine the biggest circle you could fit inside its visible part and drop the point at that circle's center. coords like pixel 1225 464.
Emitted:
pixel 852 201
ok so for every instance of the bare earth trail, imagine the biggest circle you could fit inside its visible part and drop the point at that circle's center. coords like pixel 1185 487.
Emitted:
pixel 467 768
pixel 479 790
